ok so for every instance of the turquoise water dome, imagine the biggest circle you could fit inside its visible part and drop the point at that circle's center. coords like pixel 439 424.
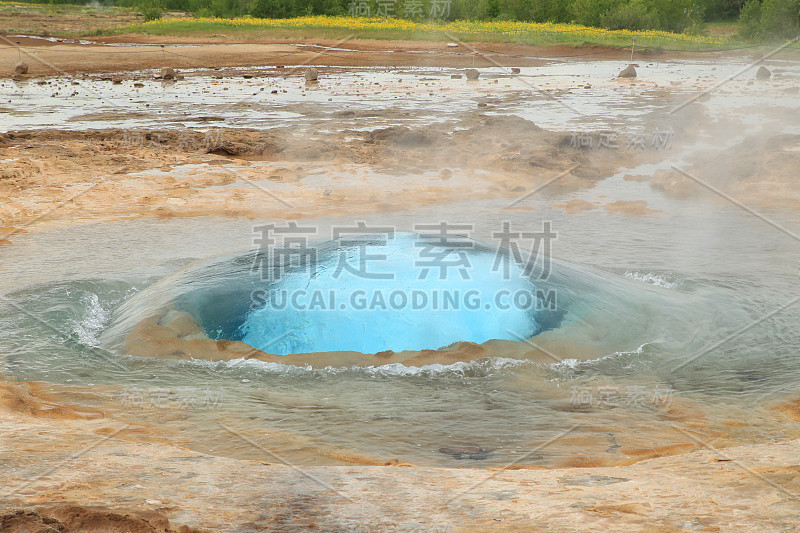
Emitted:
pixel 399 293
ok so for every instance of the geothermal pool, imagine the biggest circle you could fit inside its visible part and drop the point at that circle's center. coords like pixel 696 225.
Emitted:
pixel 680 319
pixel 635 322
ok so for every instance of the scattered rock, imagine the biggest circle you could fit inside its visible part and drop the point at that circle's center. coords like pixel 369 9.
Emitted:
pixel 312 74
pixel 116 81
pixel 472 74
pixel 21 68
pixel 455 76
pixel 763 73
pixel 515 70
pixel 628 72
pixel 247 76
pixel 138 85
pixel 445 174
pixel 167 73
pixel 452 45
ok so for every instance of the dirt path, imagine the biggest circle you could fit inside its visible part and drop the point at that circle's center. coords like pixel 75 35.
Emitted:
pixel 141 52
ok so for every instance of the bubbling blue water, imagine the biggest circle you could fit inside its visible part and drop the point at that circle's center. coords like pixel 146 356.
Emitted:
pixel 391 295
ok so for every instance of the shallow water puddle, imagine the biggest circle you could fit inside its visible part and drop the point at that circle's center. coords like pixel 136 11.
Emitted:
pixel 552 96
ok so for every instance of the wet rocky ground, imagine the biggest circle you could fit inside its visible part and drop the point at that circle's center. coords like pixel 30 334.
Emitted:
pixel 80 148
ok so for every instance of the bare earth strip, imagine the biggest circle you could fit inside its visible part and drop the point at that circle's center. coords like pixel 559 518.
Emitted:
pixel 143 52
pixel 56 464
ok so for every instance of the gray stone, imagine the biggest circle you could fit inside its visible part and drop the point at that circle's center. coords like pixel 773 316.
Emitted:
pixel 472 74
pixel 763 73
pixel 167 73
pixel 21 68
pixel 628 72
pixel 312 74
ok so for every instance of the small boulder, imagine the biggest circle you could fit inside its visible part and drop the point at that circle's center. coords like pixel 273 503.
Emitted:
pixel 167 73
pixel 455 76
pixel 312 74
pixel 472 74
pixel 628 72
pixel 515 70
pixel 21 68
pixel 763 73
pixel 116 81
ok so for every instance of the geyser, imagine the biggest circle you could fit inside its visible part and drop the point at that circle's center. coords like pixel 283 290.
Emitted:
pixel 390 294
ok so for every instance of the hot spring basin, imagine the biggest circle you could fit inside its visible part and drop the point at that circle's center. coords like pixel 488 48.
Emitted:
pixel 399 298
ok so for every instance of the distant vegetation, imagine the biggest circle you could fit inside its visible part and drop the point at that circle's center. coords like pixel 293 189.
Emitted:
pixel 758 19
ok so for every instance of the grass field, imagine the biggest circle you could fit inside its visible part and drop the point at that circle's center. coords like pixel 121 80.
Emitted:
pixel 376 28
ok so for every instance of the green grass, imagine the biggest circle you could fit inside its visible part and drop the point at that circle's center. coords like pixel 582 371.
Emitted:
pixel 229 29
